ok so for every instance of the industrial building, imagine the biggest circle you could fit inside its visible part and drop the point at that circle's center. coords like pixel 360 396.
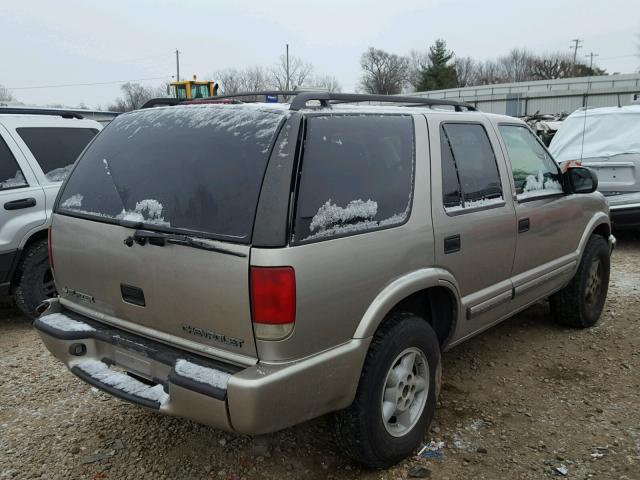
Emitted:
pixel 548 96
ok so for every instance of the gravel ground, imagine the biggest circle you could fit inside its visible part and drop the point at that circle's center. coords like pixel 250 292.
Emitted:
pixel 525 400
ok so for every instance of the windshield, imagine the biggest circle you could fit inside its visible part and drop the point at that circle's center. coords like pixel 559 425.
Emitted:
pixel 194 168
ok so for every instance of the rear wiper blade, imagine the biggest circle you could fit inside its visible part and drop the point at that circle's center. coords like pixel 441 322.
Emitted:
pixel 160 239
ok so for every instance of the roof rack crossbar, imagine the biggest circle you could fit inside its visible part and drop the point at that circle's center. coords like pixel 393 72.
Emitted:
pixel 40 111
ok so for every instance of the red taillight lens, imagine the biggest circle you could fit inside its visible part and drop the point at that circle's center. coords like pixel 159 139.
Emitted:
pixel 50 249
pixel 273 295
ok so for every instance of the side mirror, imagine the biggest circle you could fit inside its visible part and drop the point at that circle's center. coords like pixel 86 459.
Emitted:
pixel 580 180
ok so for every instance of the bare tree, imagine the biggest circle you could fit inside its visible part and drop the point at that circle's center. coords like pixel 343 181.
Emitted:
pixel 551 66
pixel 5 94
pixel 299 72
pixel 467 70
pixel 516 65
pixel 251 79
pixel 489 73
pixel 383 72
pixel 418 62
pixel 134 96
pixel 324 82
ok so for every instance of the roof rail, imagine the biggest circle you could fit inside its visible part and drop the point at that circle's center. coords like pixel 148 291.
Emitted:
pixel 40 111
pixel 302 98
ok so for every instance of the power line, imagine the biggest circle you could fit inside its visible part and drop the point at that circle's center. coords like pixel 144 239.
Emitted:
pixel 88 84
pixel 590 56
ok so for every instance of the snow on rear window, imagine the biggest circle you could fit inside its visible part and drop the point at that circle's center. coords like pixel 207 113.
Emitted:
pixel 16 181
pixel 210 376
pixel 332 215
pixel 194 168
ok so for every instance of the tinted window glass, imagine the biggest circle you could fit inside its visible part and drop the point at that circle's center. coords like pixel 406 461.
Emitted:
pixel 451 195
pixel 10 173
pixel 534 171
pixel 194 168
pixel 475 166
pixel 356 174
pixel 55 149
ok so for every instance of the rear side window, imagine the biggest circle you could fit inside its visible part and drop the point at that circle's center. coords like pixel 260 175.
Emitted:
pixel 535 173
pixel 356 175
pixel 470 177
pixel 195 169
pixel 10 173
pixel 55 149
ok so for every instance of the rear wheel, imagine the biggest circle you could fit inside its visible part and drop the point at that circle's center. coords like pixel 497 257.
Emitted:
pixel 396 396
pixel 35 280
pixel 580 303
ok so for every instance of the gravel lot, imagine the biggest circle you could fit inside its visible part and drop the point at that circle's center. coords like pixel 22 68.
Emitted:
pixel 527 399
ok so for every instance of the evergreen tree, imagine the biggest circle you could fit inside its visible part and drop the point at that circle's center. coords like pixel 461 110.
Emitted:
pixel 439 74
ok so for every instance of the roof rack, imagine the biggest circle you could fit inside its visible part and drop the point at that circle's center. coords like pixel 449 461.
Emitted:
pixel 40 111
pixel 325 99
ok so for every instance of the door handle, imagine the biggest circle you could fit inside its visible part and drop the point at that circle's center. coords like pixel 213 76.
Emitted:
pixel 452 244
pixel 523 225
pixel 22 203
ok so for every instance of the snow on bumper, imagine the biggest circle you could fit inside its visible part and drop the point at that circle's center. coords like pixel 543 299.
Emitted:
pixel 253 400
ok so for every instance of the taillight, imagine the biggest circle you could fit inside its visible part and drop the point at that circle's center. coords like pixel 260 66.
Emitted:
pixel 273 301
pixel 50 249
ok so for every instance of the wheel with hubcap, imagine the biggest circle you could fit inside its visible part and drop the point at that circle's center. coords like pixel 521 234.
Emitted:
pixel 396 395
pixel 580 303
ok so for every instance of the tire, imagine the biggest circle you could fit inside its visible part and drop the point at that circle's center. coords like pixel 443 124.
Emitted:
pixel 35 280
pixel 360 430
pixel 580 303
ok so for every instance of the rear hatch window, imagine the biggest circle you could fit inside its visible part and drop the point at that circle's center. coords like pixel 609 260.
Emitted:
pixel 195 169
pixel 55 149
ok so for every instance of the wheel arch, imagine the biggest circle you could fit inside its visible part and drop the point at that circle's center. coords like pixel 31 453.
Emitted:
pixel 598 225
pixel 34 237
pixel 429 293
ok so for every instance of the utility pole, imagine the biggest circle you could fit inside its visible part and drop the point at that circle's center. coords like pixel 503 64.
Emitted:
pixel 177 65
pixel 287 67
pixel 576 45
pixel 591 55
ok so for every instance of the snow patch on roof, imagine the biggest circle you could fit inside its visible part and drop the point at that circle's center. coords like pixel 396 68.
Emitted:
pixel 101 372
pixel 210 376
pixel 62 322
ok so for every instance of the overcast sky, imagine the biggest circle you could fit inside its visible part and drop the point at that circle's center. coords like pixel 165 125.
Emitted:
pixel 44 42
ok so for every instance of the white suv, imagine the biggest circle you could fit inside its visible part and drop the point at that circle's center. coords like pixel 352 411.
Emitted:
pixel 37 151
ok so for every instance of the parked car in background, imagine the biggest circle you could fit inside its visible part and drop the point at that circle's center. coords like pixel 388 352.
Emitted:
pixel 254 266
pixel 606 140
pixel 37 151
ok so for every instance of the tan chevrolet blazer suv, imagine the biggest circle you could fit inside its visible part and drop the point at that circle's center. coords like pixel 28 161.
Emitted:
pixel 251 266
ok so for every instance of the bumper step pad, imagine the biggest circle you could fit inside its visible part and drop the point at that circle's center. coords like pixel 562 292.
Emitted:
pixel 119 384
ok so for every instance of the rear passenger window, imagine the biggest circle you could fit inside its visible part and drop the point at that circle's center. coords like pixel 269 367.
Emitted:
pixel 356 175
pixel 470 177
pixel 55 149
pixel 535 173
pixel 10 173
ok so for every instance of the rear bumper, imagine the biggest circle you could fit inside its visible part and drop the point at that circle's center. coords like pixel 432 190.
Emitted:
pixel 255 400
